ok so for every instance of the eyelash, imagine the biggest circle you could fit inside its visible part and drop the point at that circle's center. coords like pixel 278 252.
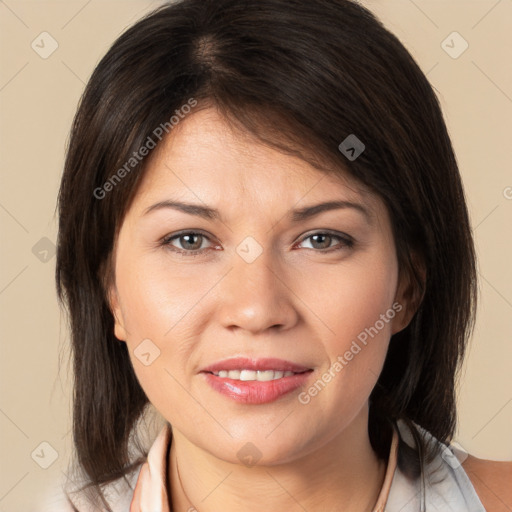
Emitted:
pixel 348 242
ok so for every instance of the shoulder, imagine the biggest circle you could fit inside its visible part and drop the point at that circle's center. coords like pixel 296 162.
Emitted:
pixel 492 482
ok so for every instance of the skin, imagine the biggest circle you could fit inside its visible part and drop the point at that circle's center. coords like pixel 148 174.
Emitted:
pixel 491 480
pixel 296 301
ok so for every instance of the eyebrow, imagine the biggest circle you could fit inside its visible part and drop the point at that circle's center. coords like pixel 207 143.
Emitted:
pixel 297 215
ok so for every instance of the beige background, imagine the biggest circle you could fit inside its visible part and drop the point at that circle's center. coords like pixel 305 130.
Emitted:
pixel 38 98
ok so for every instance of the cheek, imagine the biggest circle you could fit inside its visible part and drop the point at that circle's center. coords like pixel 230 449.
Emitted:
pixel 158 319
pixel 350 298
pixel 158 301
pixel 357 320
pixel 158 315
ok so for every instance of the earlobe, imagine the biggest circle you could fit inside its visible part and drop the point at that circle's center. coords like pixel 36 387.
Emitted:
pixel 409 296
pixel 119 330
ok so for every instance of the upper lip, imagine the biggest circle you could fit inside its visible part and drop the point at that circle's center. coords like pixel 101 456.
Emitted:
pixel 245 363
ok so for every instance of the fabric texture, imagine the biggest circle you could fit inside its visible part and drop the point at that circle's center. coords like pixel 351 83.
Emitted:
pixel 444 487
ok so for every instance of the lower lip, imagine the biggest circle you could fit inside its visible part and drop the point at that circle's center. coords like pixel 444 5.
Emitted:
pixel 256 392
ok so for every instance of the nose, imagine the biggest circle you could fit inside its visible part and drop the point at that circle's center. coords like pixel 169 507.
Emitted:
pixel 256 297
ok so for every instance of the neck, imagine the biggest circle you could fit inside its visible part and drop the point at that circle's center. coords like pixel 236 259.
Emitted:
pixel 345 470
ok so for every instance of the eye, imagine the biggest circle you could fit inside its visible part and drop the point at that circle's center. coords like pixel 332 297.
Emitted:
pixel 191 242
pixel 322 240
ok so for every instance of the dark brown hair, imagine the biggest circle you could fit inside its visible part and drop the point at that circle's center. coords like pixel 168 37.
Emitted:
pixel 300 76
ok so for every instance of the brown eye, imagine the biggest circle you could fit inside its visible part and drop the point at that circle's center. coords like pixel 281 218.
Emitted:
pixel 323 241
pixel 188 243
pixel 191 241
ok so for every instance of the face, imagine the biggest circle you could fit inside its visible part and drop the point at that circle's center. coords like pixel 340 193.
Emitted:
pixel 297 304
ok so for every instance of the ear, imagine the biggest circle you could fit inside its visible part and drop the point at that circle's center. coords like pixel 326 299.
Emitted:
pixel 115 308
pixel 409 294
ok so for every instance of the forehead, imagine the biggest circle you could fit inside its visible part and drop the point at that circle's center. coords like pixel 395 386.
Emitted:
pixel 204 158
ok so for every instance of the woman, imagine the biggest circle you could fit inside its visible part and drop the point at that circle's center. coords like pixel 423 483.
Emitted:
pixel 263 236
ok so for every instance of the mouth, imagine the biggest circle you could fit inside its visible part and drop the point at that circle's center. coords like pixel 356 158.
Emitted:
pixel 258 381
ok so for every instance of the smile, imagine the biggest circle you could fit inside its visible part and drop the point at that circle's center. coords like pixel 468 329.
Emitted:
pixel 257 375
pixel 255 381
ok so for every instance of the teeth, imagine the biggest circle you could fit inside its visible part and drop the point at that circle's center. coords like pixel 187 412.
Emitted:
pixel 248 375
pixel 259 375
pixel 265 375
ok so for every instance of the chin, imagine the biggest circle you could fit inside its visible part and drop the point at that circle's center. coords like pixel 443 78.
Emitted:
pixel 254 445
